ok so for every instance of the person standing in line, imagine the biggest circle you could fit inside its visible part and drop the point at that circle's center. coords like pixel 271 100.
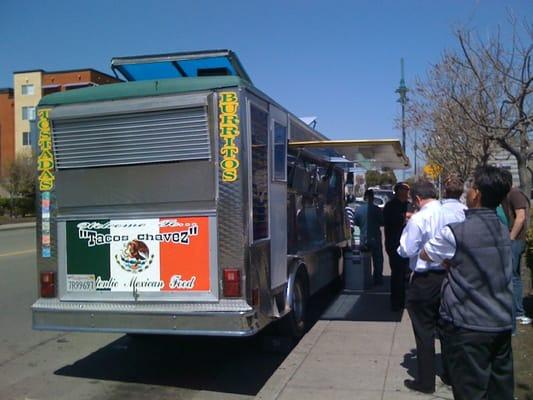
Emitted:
pixel 453 190
pixel 369 219
pixel 423 293
pixel 516 207
pixel 477 302
pixel 394 219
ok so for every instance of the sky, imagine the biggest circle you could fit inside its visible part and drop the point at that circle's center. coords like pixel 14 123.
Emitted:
pixel 336 60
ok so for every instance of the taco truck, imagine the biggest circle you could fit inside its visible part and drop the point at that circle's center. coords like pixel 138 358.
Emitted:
pixel 186 201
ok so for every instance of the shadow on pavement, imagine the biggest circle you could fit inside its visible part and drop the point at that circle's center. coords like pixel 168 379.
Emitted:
pixel 228 365
pixel 372 304
pixel 409 363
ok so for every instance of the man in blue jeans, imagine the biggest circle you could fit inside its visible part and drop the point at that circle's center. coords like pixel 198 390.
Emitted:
pixel 516 208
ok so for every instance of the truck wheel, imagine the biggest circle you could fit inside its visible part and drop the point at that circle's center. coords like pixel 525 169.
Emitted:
pixel 294 324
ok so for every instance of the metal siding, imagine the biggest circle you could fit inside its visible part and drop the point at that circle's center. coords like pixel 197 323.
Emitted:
pixel 136 185
pixel 125 139
pixel 228 305
pixel 231 206
pixel 278 210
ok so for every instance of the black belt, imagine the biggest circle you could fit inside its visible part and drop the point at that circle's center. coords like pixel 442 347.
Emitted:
pixel 431 271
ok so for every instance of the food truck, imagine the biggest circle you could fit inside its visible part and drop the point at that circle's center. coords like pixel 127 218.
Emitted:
pixel 186 201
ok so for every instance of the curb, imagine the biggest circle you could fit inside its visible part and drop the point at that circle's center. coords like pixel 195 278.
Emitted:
pixel 23 225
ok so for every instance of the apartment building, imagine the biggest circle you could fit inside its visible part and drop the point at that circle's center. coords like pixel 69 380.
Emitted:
pixel 30 86
pixel 7 145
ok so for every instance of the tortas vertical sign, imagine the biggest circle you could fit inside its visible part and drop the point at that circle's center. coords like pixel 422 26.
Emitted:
pixel 45 166
pixel 229 132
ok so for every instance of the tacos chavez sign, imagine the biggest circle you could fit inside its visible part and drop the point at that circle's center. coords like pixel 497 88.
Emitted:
pixel 163 254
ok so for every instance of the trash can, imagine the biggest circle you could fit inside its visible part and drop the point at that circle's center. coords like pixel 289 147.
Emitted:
pixel 357 269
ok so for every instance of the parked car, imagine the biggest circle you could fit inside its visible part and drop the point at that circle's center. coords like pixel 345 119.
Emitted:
pixel 380 201
pixel 384 194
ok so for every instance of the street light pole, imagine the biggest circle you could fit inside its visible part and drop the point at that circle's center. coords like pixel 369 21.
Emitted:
pixel 402 91
pixel 416 149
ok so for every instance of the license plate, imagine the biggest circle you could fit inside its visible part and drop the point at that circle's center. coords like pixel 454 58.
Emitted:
pixel 81 283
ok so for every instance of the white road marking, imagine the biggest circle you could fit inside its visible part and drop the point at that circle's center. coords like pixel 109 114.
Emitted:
pixel 17 253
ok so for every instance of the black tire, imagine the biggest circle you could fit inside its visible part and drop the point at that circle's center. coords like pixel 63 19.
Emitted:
pixel 294 324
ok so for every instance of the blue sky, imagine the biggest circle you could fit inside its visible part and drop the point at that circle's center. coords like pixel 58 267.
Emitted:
pixel 337 60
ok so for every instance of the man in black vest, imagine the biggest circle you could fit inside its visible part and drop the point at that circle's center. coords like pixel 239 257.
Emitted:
pixel 476 299
pixel 394 219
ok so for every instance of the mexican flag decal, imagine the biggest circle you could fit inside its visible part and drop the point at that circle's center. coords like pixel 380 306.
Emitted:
pixel 150 255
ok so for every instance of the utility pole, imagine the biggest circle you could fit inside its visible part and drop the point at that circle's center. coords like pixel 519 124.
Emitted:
pixel 416 150
pixel 402 91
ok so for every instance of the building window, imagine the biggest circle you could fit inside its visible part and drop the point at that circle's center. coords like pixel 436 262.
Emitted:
pixel 259 121
pixel 78 85
pixel 28 113
pixel 28 90
pixel 26 139
pixel 280 153
pixel 51 89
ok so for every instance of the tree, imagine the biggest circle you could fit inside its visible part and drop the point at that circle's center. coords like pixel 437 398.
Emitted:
pixel 387 177
pixel 20 181
pixel 372 178
pixel 376 178
pixel 503 83
pixel 477 100
pixel 451 140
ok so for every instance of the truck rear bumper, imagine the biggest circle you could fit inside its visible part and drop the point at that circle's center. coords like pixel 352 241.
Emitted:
pixel 227 318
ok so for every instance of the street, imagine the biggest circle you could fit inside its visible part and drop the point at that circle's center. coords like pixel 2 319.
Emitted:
pixel 37 365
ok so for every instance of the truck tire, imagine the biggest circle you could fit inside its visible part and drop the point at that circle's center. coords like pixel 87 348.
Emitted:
pixel 294 324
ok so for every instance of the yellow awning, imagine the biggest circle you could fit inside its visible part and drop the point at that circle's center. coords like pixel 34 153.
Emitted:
pixel 369 154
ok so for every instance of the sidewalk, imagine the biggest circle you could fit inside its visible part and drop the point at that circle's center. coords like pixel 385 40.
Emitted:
pixel 22 225
pixel 357 350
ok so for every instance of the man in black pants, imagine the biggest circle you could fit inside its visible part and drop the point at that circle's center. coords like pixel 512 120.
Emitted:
pixel 477 300
pixel 394 218
pixel 423 294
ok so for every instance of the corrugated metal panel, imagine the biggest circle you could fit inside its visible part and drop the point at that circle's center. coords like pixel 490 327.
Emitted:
pixel 137 138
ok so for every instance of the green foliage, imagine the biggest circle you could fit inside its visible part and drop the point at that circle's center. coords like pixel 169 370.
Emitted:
pixel 18 206
pixel 25 206
pixel 20 183
pixel 529 245
pixel 376 178
pixel 387 177
pixel 372 178
pixel 21 177
pixel 4 205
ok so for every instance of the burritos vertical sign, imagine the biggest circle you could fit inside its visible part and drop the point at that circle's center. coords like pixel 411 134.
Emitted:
pixel 150 255
pixel 229 132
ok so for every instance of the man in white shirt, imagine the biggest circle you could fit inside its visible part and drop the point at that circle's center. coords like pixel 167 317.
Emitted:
pixel 453 190
pixel 477 299
pixel 423 294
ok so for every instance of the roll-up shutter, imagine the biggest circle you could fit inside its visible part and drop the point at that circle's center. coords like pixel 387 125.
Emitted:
pixel 136 138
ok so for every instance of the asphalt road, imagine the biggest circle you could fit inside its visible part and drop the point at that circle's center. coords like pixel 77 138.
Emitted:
pixel 37 365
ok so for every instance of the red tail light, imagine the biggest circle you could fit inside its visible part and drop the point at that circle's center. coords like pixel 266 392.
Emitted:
pixel 48 284
pixel 232 282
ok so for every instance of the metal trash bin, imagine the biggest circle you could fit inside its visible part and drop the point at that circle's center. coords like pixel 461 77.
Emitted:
pixel 357 269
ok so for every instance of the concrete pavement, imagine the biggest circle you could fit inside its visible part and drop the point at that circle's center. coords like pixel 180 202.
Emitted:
pixel 22 225
pixel 357 350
